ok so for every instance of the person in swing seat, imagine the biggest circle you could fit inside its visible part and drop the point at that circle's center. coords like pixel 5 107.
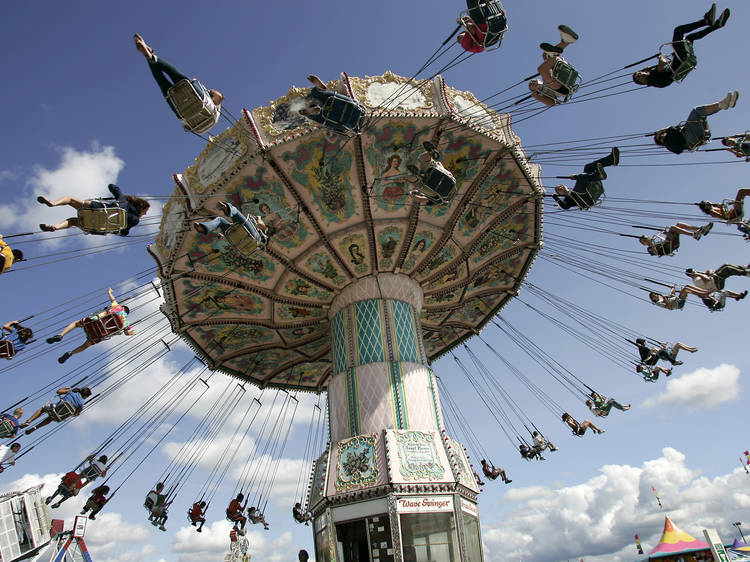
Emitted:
pixel 135 208
pixel 694 132
pixel 17 335
pixel 11 423
pixel 650 355
pixel 651 373
pixel 8 256
pixel 115 308
pixel 491 472
pixel 256 516
pixel 577 428
pixel 668 240
pixel 73 396
pixel 551 54
pixel 588 187
pixel 300 515
pixel 166 76
pixel 196 515
pixel 429 166
pixel 600 405
pixel 540 443
pixel 235 510
pixel 258 229
pixel 662 74
pixel 96 501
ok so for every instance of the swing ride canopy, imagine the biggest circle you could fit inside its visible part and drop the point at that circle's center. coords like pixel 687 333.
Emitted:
pixel 341 210
pixel 675 540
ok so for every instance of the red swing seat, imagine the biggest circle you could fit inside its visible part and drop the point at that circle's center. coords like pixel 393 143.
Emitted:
pixel 7 349
pixel 102 326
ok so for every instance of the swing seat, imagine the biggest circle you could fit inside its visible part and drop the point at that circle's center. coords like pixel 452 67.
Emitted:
pixel 592 196
pixel 656 242
pixel 343 114
pixel 92 472
pixel 194 105
pixel 62 411
pixel 110 218
pixel 569 79
pixel 7 349
pixel 681 67
pixel 102 326
pixel 242 239
pixel 150 501
pixel 7 429
pixel 700 142
pixel 437 185
pixel 491 13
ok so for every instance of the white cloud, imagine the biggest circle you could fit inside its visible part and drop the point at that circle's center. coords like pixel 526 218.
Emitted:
pixel 82 174
pixel 213 542
pixel 704 388
pixel 597 519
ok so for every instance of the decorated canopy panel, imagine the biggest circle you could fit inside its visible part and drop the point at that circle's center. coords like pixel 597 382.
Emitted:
pixel 341 209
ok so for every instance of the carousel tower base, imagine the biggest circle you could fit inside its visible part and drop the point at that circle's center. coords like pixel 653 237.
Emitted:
pixel 392 486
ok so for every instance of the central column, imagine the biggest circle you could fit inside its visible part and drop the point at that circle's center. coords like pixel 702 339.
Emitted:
pixel 381 377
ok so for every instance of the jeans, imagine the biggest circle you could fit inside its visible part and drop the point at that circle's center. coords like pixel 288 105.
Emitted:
pixel 694 126
pixel 158 69
pixel 222 224
pixel 728 270
pixel 681 30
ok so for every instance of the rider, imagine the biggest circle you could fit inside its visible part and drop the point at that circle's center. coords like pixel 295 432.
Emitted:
pixel 600 405
pixel 69 486
pixel 717 300
pixel 739 145
pixel 196 515
pixel 492 473
pixel 256 516
pixel 134 207
pixel 8 455
pixel 429 160
pixel 114 308
pixel 693 132
pixel 96 502
pixel 7 256
pixel 675 300
pixel 158 511
pixel 651 372
pixel 650 355
pixel 662 74
pixel 73 396
pixel 15 422
pixel 96 468
pixel 300 515
pixel 714 280
pixel 18 335
pixel 529 452
pixel 658 246
pixel 551 55
pixel 320 96
pixel 473 39
pixel 234 512
pixel 592 176
pixel 733 215
pixel 541 443
pixel 579 428
pixel 260 234
pixel 159 68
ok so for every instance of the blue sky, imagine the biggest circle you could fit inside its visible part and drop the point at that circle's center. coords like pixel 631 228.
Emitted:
pixel 83 111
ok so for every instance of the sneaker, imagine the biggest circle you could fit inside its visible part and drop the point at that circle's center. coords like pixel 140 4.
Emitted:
pixel 44 201
pixel 199 530
pixel 567 34
pixel 722 21
pixel 669 372
pixel 689 271
pixel 600 431
pixel 54 339
pixel 507 481
pixel 677 362
pixel 615 156
pixel 626 407
pixel 162 528
pixel 48 500
pixel 710 16
pixel 46 228
pixel 223 206
pixel 730 100
pixel 743 294
pixel 64 357
pixel 550 48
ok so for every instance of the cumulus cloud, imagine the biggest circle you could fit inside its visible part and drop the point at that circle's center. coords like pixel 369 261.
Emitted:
pixel 704 388
pixel 84 174
pixel 598 518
